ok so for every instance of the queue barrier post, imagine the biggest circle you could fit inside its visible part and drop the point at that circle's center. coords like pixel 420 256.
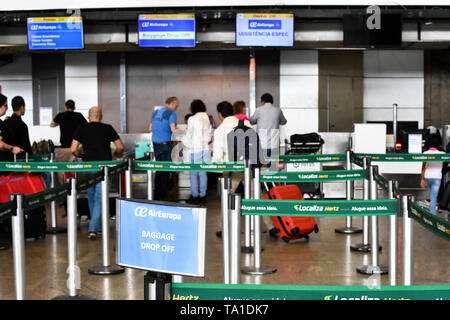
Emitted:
pixel 157 286
pixel 407 243
pixel 128 185
pixel 73 281
pixel 364 246
pixel 393 234
pixel 257 269
pixel 225 188
pixel 54 229
pixel 106 268
pixel 374 267
pixel 150 181
pixel 18 244
pixel 234 205
pixel 248 230
pixel 349 190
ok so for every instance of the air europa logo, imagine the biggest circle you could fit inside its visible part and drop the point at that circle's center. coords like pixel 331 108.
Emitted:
pixel 141 212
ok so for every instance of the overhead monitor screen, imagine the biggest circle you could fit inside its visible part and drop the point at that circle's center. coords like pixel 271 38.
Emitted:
pixel 166 30
pixel 53 33
pixel 264 30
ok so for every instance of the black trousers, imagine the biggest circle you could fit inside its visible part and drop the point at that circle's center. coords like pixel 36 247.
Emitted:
pixel 162 152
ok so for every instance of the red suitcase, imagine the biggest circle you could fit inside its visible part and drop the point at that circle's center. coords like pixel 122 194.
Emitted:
pixel 290 227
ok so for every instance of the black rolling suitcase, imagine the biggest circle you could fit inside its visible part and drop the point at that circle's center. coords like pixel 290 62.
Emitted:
pixel 305 143
pixel 35 224
pixel 302 144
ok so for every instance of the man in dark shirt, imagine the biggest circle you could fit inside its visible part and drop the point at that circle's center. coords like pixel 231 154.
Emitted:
pixel 95 138
pixel 68 122
pixel 6 153
pixel 6 150
pixel 16 131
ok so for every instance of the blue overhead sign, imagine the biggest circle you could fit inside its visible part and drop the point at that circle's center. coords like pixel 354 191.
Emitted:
pixel 161 238
pixel 160 30
pixel 264 30
pixel 55 33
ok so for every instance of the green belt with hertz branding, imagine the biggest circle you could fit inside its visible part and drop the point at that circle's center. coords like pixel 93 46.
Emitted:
pixel 187 166
pixel 326 208
pixel 313 176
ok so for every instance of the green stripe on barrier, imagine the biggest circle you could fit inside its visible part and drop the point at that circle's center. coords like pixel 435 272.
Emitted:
pixel 42 198
pixel 56 166
pixel 87 182
pixel 382 181
pixel 406 157
pixel 315 208
pixel 313 176
pixel 35 158
pixel 207 291
pixel 431 222
pixel 187 166
pixel 311 158
pixel 6 210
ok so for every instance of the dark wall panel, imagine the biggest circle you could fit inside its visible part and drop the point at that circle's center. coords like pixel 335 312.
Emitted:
pixel 437 88
pixel 211 76
pixel 109 88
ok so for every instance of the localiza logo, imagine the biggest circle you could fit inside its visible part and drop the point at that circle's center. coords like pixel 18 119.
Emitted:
pixel 300 207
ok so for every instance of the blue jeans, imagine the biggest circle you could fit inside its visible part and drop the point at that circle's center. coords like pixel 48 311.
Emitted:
pixel 201 156
pixel 433 186
pixel 95 207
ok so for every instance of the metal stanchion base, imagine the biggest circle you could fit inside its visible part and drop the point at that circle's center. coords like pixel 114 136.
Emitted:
pixel 360 247
pixel 77 297
pixel 372 270
pixel 4 245
pixel 258 271
pixel 102 270
pixel 247 249
pixel 347 230
pixel 55 230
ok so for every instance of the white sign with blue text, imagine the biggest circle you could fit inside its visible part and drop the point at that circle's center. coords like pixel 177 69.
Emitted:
pixel 161 237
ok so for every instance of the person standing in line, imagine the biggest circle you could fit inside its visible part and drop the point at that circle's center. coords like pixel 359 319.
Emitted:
pixel 68 122
pixel 16 131
pixel 6 150
pixel 221 151
pixel 240 110
pixel 95 138
pixel 268 119
pixel 197 138
pixel 431 174
pixel 6 154
pixel 163 123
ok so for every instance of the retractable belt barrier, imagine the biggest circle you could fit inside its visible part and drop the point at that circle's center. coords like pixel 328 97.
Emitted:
pixel 429 221
pixel 319 208
pixel 310 158
pixel 405 157
pixel 142 165
pixel 313 176
pixel 42 198
pixel 57 166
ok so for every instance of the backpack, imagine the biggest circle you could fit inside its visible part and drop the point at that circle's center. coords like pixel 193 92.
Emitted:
pixel 243 144
pixel 43 147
